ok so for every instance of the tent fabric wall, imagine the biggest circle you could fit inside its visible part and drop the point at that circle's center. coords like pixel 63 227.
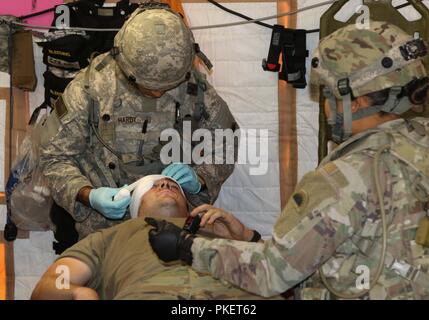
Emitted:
pixel 307 111
pixel 251 93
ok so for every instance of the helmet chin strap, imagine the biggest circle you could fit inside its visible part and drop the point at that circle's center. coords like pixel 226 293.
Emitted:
pixel 329 95
pixel 393 105
pixel 347 116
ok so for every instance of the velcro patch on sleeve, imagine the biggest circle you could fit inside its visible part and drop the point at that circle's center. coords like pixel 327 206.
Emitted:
pixel 301 199
pixel 60 107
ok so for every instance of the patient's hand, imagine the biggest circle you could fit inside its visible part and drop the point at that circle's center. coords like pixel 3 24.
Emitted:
pixel 222 224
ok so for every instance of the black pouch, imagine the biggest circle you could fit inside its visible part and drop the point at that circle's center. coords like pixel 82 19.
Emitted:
pixel 65 233
pixel 54 87
pixel 69 52
pixel 92 14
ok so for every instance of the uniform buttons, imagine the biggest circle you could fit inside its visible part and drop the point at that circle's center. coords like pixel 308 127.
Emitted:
pixel 106 117
pixel 112 166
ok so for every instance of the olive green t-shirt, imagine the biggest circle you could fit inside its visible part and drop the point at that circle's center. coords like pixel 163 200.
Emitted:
pixel 124 266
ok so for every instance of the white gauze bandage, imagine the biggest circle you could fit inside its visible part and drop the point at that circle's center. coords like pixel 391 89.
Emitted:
pixel 144 185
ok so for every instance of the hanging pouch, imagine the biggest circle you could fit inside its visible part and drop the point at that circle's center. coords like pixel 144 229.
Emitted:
pixel 69 52
pixel 23 69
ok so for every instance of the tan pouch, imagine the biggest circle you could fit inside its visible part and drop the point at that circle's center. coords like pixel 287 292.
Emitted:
pixel 23 72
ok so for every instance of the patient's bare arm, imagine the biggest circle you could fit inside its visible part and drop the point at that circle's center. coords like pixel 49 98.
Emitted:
pixel 217 222
pixel 65 280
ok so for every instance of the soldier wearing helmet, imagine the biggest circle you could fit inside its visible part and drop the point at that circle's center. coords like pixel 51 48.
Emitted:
pixel 356 227
pixel 106 128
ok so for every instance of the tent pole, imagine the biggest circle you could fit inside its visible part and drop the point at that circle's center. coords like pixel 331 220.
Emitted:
pixel 7 276
pixel 288 145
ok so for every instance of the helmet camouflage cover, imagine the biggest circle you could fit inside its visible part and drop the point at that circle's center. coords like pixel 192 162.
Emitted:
pixel 155 48
pixel 371 59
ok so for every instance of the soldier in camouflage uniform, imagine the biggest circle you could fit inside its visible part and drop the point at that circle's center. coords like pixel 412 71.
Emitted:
pixel 105 131
pixel 357 226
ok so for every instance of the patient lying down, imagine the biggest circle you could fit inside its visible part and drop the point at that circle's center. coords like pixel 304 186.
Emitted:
pixel 118 263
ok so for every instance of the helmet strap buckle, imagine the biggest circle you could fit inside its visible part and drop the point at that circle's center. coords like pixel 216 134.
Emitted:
pixel 332 105
pixel 344 86
pixel 347 116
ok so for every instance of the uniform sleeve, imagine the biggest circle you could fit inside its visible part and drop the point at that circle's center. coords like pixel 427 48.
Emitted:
pixel 220 117
pixel 60 154
pixel 315 221
pixel 91 251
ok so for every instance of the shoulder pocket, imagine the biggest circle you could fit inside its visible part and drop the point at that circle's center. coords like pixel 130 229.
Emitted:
pixel 312 194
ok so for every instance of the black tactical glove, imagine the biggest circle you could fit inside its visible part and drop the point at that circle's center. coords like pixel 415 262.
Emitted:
pixel 169 242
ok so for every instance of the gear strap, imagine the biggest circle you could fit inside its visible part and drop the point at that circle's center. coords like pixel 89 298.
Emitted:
pixel 294 56
pixel 201 55
pixel 272 61
pixel 329 95
pixel 346 92
pixel 292 43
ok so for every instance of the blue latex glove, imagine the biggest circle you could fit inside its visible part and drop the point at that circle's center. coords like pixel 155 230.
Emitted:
pixel 101 199
pixel 184 175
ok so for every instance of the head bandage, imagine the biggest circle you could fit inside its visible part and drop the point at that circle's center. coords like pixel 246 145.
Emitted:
pixel 144 186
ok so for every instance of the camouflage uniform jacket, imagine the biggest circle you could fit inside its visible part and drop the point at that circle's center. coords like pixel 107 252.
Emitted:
pixel 72 157
pixel 333 220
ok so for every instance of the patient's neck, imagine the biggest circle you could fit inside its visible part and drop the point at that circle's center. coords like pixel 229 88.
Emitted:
pixel 169 212
pixel 165 211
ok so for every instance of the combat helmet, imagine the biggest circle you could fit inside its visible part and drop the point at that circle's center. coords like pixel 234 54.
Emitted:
pixel 354 62
pixel 154 48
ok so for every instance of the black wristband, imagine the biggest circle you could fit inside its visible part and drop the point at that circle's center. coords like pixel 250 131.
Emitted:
pixel 256 236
